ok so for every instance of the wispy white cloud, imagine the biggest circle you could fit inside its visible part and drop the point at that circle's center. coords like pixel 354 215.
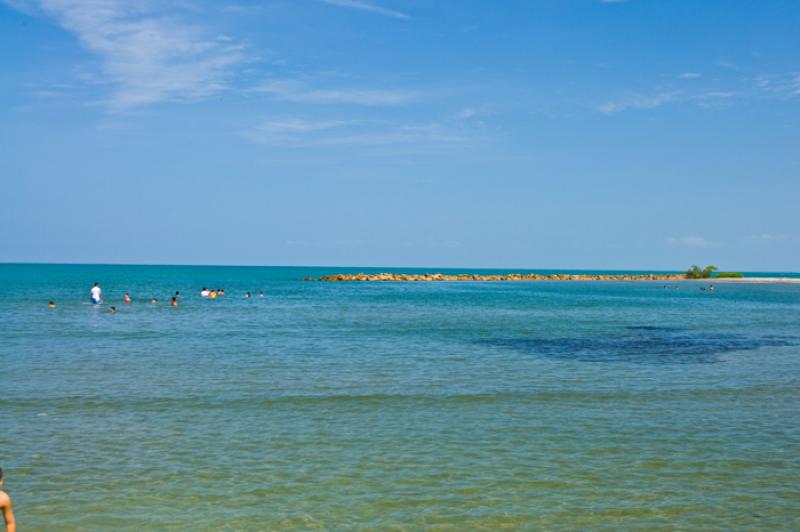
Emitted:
pixel 712 98
pixel 638 101
pixel 724 63
pixel 779 85
pixel 690 75
pixel 290 131
pixel 692 241
pixel 716 94
pixel 394 134
pixel 147 55
pixel 26 6
pixel 766 237
pixel 325 243
pixel 367 6
pixel 295 91
pixel 294 132
pixel 470 113
pixel 294 125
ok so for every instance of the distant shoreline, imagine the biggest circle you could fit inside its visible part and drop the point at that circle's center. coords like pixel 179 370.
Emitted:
pixel 792 280
pixel 440 277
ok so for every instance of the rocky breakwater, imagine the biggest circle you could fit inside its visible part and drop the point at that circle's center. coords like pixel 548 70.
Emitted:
pixel 415 277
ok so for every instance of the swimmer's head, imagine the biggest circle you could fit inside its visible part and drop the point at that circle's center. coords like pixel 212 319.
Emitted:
pixel 112 310
pixel 154 301
pixel 51 305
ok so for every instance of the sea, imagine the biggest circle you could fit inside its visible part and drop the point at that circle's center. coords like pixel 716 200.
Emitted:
pixel 542 405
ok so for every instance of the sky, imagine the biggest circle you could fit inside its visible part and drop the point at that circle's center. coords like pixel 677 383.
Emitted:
pixel 638 134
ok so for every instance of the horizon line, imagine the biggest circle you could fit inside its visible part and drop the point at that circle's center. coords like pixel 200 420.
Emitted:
pixel 146 264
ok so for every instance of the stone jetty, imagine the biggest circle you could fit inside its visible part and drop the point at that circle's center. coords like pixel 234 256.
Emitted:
pixel 416 277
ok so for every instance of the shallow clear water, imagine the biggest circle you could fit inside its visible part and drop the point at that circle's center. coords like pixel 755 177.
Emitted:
pixel 396 405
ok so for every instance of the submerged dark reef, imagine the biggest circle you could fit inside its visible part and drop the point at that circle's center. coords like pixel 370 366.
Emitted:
pixel 642 344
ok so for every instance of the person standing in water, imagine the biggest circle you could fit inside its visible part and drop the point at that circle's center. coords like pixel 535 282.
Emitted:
pixel 5 506
pixel 173 302
pixel 126 298
pixel 96 294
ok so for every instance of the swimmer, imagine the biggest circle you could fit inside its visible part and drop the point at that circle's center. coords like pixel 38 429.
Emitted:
pixel 173 302
pixel 260 293
pixel 247 295
pixel 154 301
pixel 177 293
pixel 220 292
pixel 212 294
pixel 126 299
pixel 204 292
pixel 113 310
pixel 5 506
pixel 51 305
pixel 96 294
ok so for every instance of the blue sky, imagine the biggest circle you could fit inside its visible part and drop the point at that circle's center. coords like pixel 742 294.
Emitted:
pixel 513 134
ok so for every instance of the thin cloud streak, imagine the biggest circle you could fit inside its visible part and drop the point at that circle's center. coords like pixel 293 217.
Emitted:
pixel 147 57
pixel 294 125
pixel 293 91
pixel 327 133
pixel 766 237
pixel 638 101
pixel 368 7
pixel 692 241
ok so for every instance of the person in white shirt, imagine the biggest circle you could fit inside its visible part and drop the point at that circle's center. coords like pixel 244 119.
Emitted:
pixel 97 294
pixel 204 292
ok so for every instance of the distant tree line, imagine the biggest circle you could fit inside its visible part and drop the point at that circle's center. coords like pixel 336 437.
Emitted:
pixel 706 273
pixel 696 273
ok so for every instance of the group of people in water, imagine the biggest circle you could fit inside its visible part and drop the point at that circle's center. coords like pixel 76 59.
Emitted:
pixel 210 293
pixel 96 297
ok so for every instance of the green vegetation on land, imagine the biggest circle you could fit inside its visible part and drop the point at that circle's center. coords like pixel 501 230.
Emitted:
pixel 706 273
pixel 696 273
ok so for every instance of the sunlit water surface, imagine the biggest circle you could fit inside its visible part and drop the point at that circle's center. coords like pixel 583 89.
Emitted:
pixel 396 405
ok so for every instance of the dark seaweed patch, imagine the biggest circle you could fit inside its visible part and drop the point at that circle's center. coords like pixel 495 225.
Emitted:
pixel 652 328
pixel 642 344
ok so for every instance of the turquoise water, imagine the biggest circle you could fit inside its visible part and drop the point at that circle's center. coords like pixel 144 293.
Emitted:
pixel 458 406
